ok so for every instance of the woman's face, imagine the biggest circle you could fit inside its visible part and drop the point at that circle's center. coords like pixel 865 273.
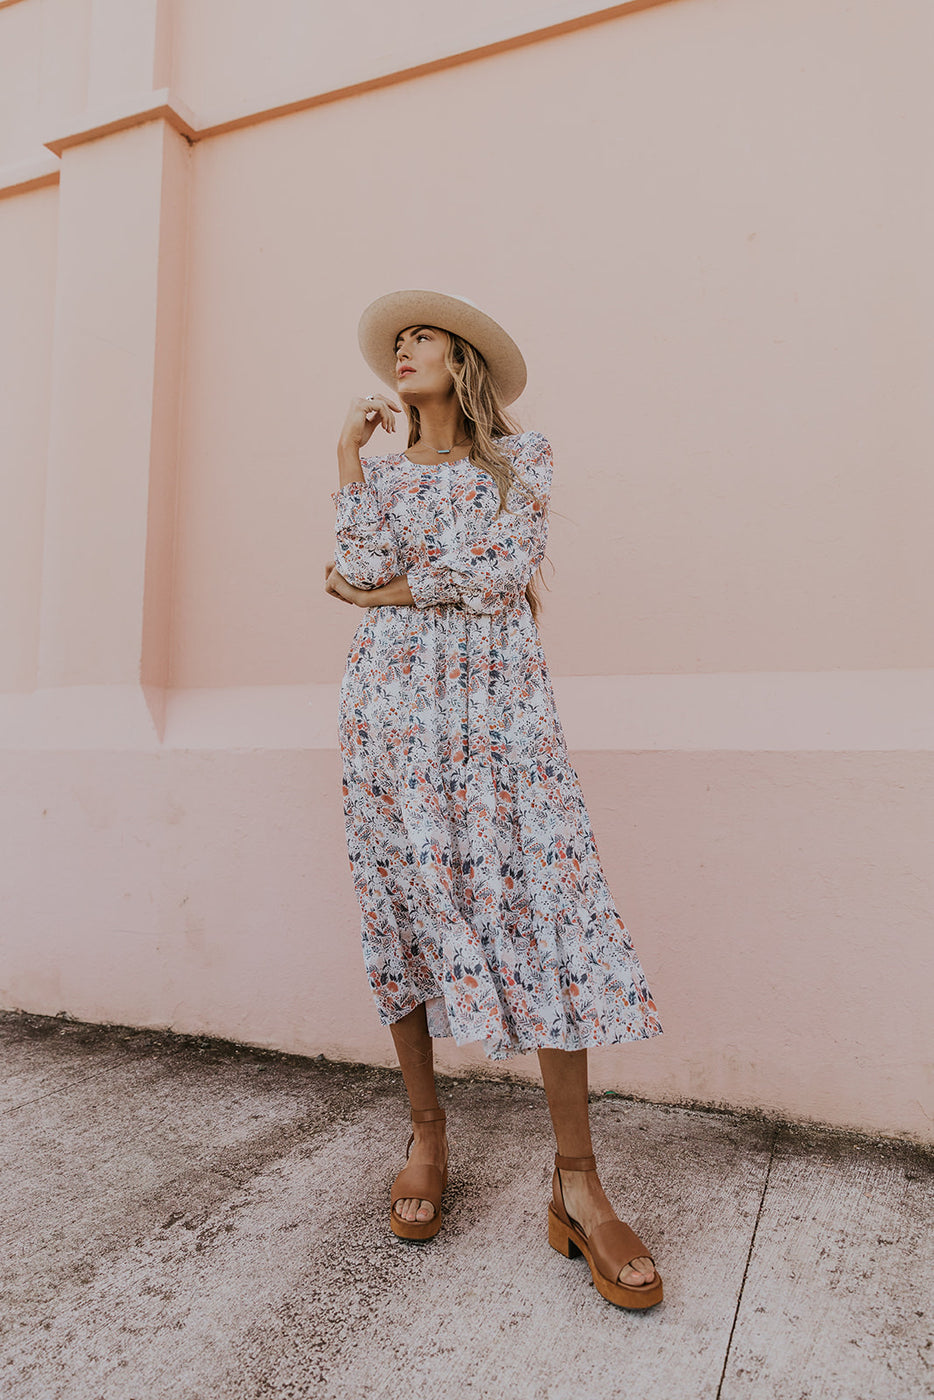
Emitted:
pixel 420 369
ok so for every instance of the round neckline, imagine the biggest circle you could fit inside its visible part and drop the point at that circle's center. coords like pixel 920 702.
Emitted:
pixel 448 461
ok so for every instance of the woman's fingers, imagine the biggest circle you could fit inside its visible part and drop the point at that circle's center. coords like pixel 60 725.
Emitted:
pixel 334 594
pixel 365 414
pixel 385 407
pixel 385 401
pixel 336 584
pixel 329 569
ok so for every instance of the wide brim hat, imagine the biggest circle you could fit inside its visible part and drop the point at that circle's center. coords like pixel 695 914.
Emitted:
pixel 384 318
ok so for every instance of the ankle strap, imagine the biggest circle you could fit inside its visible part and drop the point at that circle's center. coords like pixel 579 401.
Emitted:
pixel 427 1115
pixel 575 1164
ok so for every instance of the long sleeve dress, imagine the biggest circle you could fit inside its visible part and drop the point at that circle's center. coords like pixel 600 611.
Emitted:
pixel 473 858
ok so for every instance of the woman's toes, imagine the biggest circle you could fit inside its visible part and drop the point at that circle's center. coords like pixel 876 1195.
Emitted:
pixel 638 1272
pixel 412 1209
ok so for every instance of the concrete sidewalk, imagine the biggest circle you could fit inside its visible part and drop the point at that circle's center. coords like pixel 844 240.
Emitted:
pixel 191 1221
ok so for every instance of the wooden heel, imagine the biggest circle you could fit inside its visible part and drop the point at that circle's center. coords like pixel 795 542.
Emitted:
pixel 426 1183
pixel 559 1238
pixel 608 1248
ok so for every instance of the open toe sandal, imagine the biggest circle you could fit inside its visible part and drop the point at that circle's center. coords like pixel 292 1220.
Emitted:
pixel 608 1248
pixel 424 1183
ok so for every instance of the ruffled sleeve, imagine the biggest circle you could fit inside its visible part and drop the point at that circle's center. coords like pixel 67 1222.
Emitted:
pixel 481 573
pixel 365 549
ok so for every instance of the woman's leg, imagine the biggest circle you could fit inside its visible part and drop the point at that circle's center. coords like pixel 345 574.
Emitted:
pixel 416 1059
pixel 564 1073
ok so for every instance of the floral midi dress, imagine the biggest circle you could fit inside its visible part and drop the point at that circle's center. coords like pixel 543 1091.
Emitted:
pixel 473 859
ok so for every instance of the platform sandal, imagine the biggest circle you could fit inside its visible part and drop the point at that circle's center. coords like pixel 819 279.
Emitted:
pixel 425 1183
pixel 608 1248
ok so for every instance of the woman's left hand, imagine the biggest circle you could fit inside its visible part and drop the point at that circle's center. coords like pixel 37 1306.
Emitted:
pixel 392 594
pixel 336 584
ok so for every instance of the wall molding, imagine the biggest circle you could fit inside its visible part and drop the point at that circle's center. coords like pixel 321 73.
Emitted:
pixel 394 74
pixel 133 111
pixel 29 175
pixel 162 103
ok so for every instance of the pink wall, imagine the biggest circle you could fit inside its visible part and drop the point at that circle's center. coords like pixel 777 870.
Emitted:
pixel 686 214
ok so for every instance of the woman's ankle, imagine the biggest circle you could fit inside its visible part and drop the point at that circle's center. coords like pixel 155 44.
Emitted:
pixel 429 1132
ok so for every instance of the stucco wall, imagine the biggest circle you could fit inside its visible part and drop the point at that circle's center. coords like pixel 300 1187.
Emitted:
pixel 703 222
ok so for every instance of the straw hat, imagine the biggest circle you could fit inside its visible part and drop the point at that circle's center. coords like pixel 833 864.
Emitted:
pixel 384 318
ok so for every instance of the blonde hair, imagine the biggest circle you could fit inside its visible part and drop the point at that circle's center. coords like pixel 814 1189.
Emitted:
pixel 485 420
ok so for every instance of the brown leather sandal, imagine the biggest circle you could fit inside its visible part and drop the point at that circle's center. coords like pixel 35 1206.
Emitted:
pixel 608 1248
pixel 424 1183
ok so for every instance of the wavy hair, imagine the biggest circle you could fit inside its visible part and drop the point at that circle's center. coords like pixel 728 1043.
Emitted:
pixel 485 421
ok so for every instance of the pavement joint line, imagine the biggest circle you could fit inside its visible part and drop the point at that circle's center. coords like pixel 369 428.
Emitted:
pixel 752 1245
pixel 62 1089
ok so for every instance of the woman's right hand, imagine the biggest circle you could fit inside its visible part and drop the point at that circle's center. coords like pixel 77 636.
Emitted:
pixel 364 415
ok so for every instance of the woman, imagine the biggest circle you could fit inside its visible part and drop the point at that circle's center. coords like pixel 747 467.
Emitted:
pixel 485 912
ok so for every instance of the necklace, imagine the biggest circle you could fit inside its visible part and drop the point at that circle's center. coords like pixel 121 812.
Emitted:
pixel 443 451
